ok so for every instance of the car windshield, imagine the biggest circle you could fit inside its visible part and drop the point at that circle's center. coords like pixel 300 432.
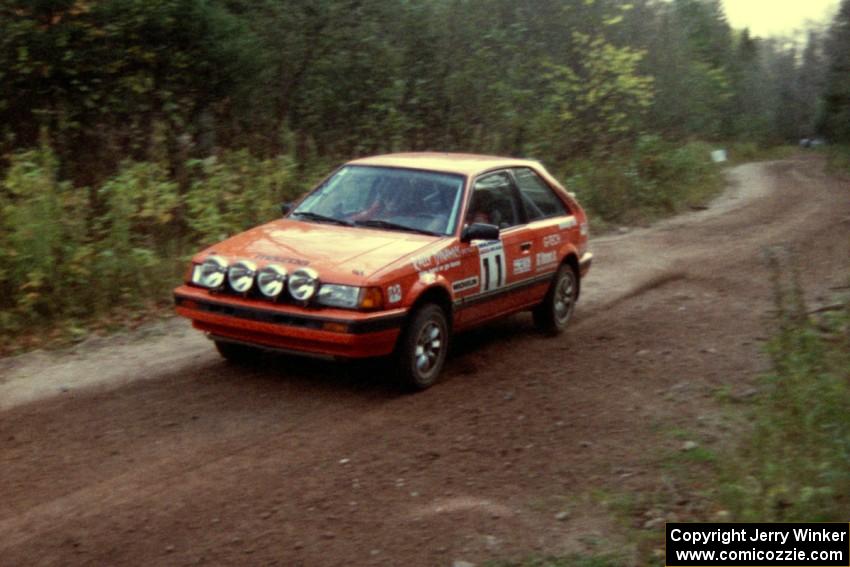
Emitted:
pixel 386 197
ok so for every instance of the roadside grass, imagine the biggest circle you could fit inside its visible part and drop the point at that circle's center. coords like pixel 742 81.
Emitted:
pixel 794 465
pixel 787 458
pixel 744 152
pixel 837 159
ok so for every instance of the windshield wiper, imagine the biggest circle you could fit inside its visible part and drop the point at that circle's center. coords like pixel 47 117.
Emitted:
pixel 321 218
pixel 375 223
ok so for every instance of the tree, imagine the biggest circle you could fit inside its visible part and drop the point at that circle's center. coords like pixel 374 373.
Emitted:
pixel 835 120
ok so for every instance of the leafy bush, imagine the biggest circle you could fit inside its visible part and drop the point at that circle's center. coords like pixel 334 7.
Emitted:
pixel 72 254
pixel 42 229
pixel 235 191
pixel 135 234
pixel 655 177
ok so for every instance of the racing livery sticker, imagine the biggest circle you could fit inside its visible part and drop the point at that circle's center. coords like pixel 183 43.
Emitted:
pixel 430 261
pixel 551 240
pixel 394 293
pixel 546 259
pixel 522 265
pixel 492 258
pixel 466 283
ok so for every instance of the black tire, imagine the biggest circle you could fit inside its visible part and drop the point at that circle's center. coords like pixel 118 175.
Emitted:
pixel 422 348
pixel 553 315
pixel 233 352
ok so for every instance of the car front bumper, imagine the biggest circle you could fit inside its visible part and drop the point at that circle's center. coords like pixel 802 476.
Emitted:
pixel 335 333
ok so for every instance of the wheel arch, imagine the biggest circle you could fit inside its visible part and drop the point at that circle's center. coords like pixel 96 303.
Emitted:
pixel 571 260
pixel 436 294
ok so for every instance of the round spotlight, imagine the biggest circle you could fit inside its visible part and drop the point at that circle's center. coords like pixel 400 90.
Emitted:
pixel 303 283
pixel 240 276
pixel 271 280
pixel 212 272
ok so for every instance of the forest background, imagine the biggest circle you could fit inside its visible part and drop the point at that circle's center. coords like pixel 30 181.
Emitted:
pixel 134 131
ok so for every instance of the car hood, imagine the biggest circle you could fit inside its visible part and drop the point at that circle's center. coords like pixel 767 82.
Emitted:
pixel 345 253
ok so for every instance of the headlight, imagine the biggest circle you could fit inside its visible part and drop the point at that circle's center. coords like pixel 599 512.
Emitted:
pixel 210 273
pixel 350 297
pixel 240 276
pixel 334 295
pixel 303 283
pixel 271 280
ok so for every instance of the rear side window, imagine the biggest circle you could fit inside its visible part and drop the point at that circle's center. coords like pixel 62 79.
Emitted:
pixel 539 200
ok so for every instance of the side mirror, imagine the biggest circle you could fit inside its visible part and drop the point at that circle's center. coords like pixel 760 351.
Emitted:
pixel 479 231
pixel 285 208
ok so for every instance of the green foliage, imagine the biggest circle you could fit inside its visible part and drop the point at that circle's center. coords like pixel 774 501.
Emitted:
pixel 838 159
pixel 236 191
pixel 741 152
pixel 72 254
pixel 656 177
pixel 835 118
pixel 796 464
pixel 42 220
pixel 133 236
pixel 595 103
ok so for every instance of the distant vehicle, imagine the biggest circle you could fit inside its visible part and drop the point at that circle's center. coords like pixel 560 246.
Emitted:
pixel 390 255
pixel 811 142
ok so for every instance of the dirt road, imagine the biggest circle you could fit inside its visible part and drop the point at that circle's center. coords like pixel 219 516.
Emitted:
pixel 151 450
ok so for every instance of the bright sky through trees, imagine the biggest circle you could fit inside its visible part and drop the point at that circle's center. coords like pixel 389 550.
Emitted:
pixel 775 17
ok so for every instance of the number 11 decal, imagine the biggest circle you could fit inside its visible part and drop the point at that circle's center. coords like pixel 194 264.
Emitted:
pixel 492 256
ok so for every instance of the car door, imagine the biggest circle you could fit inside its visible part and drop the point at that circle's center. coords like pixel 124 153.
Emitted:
pixel 495 270
pixel 550 222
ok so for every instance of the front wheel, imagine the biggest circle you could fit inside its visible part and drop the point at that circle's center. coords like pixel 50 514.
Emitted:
pixel 553 315
pixel 422 349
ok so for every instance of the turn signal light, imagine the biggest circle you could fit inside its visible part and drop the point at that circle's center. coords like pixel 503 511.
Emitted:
pixel 372 298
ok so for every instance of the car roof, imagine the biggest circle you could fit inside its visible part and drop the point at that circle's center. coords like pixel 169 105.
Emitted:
pixel 465 164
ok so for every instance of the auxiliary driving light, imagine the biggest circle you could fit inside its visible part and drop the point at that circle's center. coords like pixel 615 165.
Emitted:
pixel 240 276
pixel 211 273
pixel 271 280
pixel 303 283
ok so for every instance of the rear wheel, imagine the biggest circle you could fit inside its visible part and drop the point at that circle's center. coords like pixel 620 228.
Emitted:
pixel 553 315
pixel 235 352
pixel 422 349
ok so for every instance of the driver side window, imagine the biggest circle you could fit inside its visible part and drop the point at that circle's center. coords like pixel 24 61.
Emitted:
pixel 493 201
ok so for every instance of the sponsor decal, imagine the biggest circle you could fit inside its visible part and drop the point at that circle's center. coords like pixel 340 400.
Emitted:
pixel 430 261
pixel 551 240
pixel 394 293
pixel 570 222
pixel 522 265
pixel 442 268
pixel 283 260
pixel 585 229
pixel 464 284
pixel 545 259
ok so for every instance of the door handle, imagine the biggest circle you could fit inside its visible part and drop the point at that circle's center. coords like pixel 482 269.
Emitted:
pixel 525 246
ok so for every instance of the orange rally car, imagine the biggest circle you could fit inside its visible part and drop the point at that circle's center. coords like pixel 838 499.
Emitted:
pixel 390 255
